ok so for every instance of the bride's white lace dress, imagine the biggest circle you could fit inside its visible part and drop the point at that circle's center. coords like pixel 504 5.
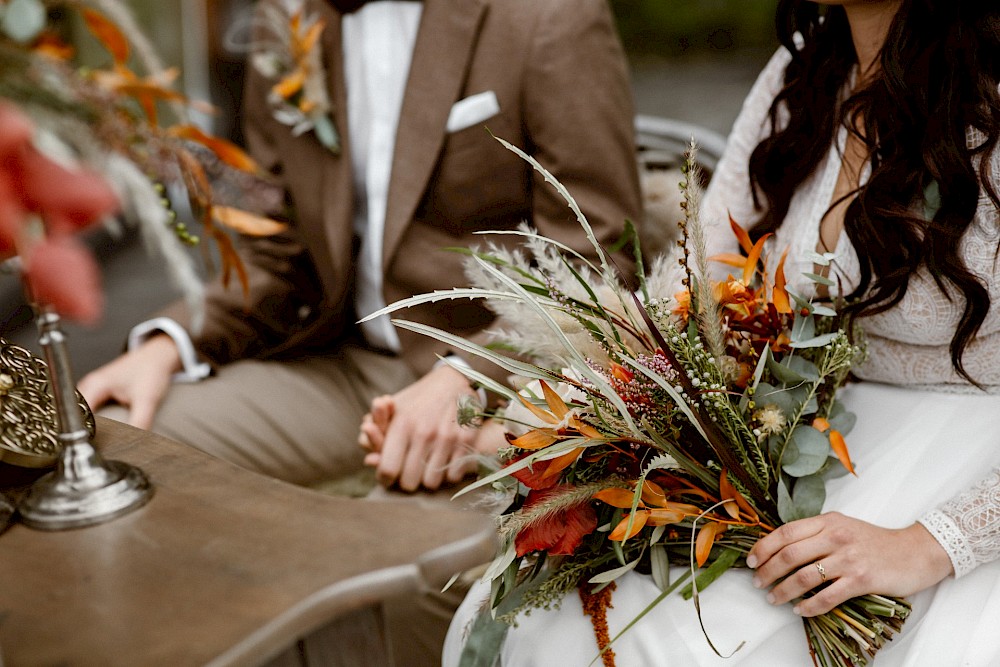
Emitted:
pixel 926 447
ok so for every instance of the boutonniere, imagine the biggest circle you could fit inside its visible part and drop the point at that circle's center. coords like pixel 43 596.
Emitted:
pixel 293 58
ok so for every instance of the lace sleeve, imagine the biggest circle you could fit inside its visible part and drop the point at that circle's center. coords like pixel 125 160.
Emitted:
pixel 968 526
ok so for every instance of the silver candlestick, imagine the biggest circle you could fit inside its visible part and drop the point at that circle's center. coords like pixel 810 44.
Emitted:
pixel 84 489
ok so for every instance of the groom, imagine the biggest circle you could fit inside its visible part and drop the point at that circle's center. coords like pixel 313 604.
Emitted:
pixel 413 87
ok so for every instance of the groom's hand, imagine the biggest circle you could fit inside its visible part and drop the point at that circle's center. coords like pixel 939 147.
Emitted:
pixel 414 436
pixel 137 380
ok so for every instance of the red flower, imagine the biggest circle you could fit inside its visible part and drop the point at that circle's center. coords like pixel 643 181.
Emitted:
pixel 536 475
pixel 545 474
pixel 559 532
pixel 58 269
pixel 63 274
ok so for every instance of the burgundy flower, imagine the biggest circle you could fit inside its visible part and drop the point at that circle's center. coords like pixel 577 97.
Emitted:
pixel 558 532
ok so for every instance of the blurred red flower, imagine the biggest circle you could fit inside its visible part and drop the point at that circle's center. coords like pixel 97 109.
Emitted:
pixel 58 269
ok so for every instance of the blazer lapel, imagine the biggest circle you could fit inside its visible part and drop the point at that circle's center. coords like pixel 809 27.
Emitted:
pixel 337 190
pixel 448 32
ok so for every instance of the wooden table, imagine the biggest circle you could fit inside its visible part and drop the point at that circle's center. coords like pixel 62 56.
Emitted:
pixel 222 567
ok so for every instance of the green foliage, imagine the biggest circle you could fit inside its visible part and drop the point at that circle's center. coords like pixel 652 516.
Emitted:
pixel 676 27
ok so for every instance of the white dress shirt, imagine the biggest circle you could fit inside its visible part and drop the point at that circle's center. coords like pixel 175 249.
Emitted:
pixel 378 44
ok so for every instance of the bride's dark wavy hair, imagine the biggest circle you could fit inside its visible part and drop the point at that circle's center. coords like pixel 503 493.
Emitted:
pixel 938 75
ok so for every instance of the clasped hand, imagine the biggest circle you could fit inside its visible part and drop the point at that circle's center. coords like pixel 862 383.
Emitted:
pixel 413 437
pixel 853 556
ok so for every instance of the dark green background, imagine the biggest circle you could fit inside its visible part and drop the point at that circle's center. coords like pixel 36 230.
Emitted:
pixel 678 27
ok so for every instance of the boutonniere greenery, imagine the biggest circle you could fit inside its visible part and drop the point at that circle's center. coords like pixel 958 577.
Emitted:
pixel 292 58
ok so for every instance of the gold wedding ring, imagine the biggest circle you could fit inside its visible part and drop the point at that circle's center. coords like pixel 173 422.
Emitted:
pixel 822 572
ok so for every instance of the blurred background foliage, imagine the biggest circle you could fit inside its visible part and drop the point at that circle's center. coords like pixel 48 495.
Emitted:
pixel 672 28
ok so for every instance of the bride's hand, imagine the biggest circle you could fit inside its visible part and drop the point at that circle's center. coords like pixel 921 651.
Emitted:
pixel 856 557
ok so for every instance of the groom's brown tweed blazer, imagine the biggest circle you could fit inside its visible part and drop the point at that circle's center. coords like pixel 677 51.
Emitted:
pixel 559 75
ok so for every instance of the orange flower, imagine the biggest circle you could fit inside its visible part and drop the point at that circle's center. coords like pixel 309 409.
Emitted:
pixel 304 37
pixel 736 295
pixel 683 307
pixel 837 442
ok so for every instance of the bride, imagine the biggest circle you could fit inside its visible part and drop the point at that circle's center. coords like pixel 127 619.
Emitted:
pixel 872 135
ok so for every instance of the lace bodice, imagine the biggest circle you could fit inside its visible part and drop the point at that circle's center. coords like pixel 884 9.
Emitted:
pixel 907 345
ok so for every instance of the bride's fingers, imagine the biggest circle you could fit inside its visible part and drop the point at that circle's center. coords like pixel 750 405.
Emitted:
pixel 806 578
pixel 790 560
pixel 363 440
pixel 828 598
pixel 383 408
pixel 370 435
pixel 788 547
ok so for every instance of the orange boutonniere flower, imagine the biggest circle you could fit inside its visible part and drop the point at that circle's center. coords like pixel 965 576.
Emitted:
pixel 294 60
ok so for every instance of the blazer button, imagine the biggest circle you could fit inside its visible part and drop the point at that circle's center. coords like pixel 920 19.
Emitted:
pixel 304 313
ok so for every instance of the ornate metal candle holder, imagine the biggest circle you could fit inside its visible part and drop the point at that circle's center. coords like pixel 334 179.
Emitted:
pixel 84 489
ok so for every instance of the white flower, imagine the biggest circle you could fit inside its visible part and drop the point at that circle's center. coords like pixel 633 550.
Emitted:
pixel 771 420
pixel 521 419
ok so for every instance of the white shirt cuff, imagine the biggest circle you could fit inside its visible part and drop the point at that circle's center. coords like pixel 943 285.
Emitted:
pixel 192 369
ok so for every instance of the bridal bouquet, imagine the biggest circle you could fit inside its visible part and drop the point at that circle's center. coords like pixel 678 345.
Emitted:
pixel 655 430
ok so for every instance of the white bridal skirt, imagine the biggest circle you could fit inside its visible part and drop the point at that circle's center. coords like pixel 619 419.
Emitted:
pixel 913 450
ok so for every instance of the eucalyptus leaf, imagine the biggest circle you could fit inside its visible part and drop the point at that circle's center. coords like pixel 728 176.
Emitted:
pixel 822 280
pixel 482 646
pixel 786 509
pixel 806 452
pixel 842 420
pixel 817 341
pixel 801 303
pixel 794 370
pixel 803 328
pixel 611 575
pixel 659 562
pixel 803 367
pixel 833 469
pixel 808 496
pixel 783 373
pixel 774 445
pixel 326 132
pixel 799 506
pixel 818 259
pixel 825 311
pixel 788 400
pixel 24 20
pixel 510 578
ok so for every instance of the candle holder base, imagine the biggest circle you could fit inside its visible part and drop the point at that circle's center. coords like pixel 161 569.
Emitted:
pixel 84 489
pixel 58 501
